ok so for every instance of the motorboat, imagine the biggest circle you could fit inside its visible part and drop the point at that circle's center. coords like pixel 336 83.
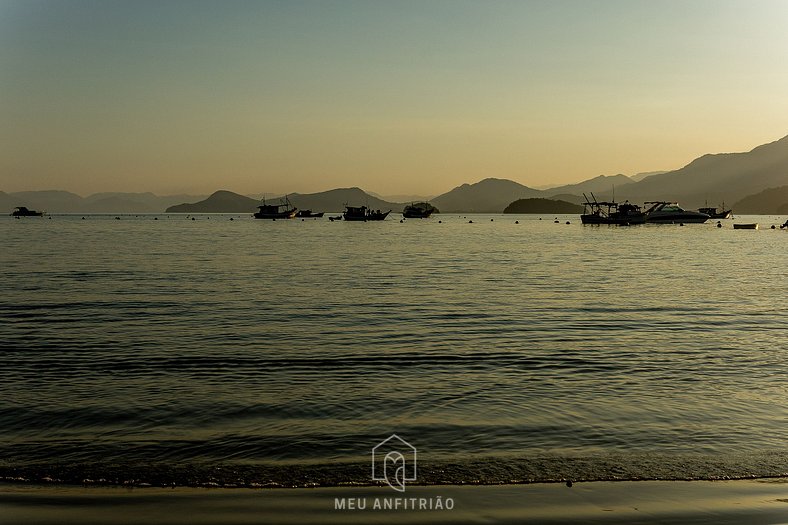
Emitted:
pixel 362 213
pixel 671 212
pixel 419 210
pixel 21 211
pixel 308 214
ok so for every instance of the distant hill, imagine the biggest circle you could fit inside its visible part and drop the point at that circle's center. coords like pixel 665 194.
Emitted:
pixel 402 198
pixel 718 177
pixel 645 174
pixel 540 205
pixel 486 196
pixel 67 202
pixel 133 202
pixel 222 201
pixel 771 200
pixel 52 201
pixel 712 179
pixel 335 200
pixel 601 184
pixel 327 201
pixel 568 197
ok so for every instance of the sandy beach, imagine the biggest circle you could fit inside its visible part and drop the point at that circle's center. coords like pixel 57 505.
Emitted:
pixel 762 501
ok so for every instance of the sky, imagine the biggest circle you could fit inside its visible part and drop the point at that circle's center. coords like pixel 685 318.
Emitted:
pixel 395 97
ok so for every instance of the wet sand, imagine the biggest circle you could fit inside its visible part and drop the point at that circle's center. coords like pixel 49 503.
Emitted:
pixel 718 502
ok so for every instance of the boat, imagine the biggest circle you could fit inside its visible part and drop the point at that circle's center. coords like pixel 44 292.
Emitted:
pixel 337 218
pixel 419 210
pixel 671 212
pixel 784 225
pixel 283 210
pixel 750 226
pixel 714 214
pixel 362 213
pixel 21 211
pixel 307 214
pixel 623 213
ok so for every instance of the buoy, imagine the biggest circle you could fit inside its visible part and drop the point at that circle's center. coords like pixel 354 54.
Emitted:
pixel 491 220
pixel 231 218
pixel 470 222
pixel 83 218
pixel 401 221
pixel 568 222
pixel 719 225
pixel 517 222
pixel 681 224
pixel 193 218
pixel 569 483
pixel 155 218
pixel 773 227
pixel 302 220
pixel 540 218
pixel 556 222
pixel 440 222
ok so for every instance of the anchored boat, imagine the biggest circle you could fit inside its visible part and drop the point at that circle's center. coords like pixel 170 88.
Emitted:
pixel 362 213
pixel 308 214
pixel 419 210
pixel 624 213
pixel 669 212
pixel 283 210
pixel 714 214
pixel 21 211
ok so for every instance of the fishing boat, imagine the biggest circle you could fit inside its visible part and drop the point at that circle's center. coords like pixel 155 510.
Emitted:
pixel 362 213
pixel 750 226
pixel 623 213
pixel 419 210
pixel 308 214
pixel 714 214
pixel 671 212
pixel 283 210
pixel 21 211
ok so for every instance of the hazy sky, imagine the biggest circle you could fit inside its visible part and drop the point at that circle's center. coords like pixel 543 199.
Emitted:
pixel 392 96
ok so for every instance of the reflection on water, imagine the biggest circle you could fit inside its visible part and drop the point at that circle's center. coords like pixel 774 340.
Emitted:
pixel 261 343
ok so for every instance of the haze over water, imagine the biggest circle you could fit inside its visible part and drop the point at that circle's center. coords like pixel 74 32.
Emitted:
pixel 537 350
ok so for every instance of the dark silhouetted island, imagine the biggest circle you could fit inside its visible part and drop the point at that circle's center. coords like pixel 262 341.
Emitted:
pixel 540 205
pixel 222 201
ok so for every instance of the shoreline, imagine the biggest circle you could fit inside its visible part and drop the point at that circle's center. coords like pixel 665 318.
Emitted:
pixel 759 501
pixel 136 484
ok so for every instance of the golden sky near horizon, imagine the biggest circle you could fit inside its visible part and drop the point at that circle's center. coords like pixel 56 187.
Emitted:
pixel 394 97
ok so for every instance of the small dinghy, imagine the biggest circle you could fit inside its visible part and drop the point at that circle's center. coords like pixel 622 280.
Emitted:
pixel 753 226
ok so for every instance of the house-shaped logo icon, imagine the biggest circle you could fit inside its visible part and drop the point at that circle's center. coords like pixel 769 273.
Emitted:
pixel 394 461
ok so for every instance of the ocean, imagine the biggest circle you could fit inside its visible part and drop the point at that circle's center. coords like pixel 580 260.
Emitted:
pixel 157 349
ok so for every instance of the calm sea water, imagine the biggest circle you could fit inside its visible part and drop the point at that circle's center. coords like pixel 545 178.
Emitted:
pixel 502 351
